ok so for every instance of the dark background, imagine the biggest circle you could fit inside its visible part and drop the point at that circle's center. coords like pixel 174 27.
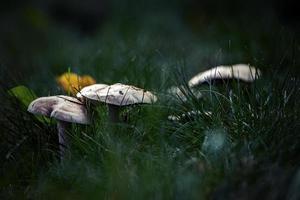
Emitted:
pixel 25 24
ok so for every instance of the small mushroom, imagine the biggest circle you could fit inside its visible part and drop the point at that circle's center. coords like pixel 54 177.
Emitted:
pixel 65 110
pixel 117 96
pixel 241 72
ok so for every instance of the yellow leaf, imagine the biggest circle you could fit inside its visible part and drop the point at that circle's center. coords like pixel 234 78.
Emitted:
pixel 72 83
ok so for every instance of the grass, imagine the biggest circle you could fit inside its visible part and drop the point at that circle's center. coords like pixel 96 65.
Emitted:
pixel 247 148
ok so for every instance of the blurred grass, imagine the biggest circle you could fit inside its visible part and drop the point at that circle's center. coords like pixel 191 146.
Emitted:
pixel 247 148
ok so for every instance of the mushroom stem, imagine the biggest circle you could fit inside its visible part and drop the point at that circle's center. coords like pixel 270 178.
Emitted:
pixel 63 138
pixel 113 112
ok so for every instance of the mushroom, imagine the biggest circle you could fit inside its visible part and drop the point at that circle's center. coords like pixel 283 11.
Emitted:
pixel 65 110
pixel 241 72
pixel 117 96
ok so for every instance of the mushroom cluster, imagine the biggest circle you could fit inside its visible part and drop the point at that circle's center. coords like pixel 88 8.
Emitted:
pixel 66 109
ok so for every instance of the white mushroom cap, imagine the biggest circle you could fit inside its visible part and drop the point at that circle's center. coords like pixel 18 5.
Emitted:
pixel 239 71
pixel 120 95
pixel 64 108
pixel 90 91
